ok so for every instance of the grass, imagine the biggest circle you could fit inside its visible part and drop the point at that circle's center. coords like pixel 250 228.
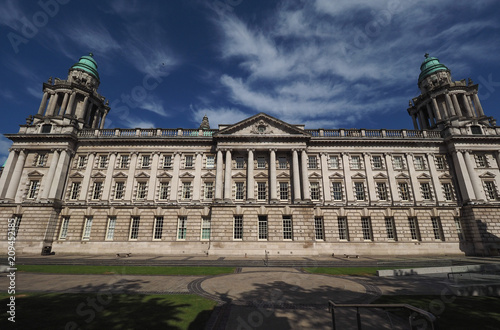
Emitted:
pixel 454 312
pixel 361 271
pixel 125 270
pixel 107 311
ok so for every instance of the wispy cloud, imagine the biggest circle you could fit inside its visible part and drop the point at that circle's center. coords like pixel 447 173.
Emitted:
pixel 155 106
pixel 218 116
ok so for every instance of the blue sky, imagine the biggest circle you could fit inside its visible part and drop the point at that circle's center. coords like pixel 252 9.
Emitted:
pixel 323 63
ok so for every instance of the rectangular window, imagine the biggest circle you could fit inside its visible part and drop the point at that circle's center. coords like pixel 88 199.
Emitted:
pixel 87 228
pixel 261 190
pixel 458 225
pixel 262 227
pixel 134 228
pixel 209 190
pixel 359 191
pixel 167 161
pixel 64 228
pixel 382 191
pixel 389 227
pixel 141 190
pixel 146 161
pixel 414 230
pixel 481 161
pixel 403 191
pixel 238 227
pixel 210 161
pixel 355 162
pixel 447 191
pixel 97 190
pixel 33 189
pixel 440 163
pixel 426 191
pixel 119 190
pixel 110 233
pixel 40 160
pixel 75 190
pixel 240 163
pixel 261 162
pixel 337 191
pixel 491 190
pixel 377 162
pixel 436 228
pixel 240 191
pixel 282 163
pixel 343 232
pixel 318 228
pixel 283 191
pixel 81 161
pixel 163 194
pixel 315 191
pixel 366 227
pixel 419 163
pixel 287 227
pixel 182 228
pixel 124 161
pixel 205 228
pixel 333 162
pixel 189 161
pixel 186 190
pixel 312 162
pixel 17 224
pixel 158 229
pixel 103 161
pixel 398 162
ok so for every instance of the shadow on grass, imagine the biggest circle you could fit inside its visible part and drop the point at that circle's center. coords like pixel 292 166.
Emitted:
pixel 106 307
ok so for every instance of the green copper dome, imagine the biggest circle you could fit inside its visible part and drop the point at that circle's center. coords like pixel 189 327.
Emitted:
pixel 87 64
pixel 429 66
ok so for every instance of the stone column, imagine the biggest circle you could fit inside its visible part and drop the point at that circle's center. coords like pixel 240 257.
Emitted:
pixel 479 108
pixel 86 177
pixel 415 186
pixel 430 114
pixel 81 112
pixel 305 177
pixel 228 176
pixel 7 172
pixel 414 118
pixel 56 190
pixel 16 176
pixel 69 108
pixel 423 122
pixel 438 192
pixel 218 175
pixel 64 104
pixel 296 176
pixel 53 105
pixel 369 178
pixel 103 119
pixel 43 104
pixel 109 177
pixel 436 109
pixel 449 104
pixel 175 177
pixel 250 176
pixel 476 181
pixel 393 187
pixel 197 176
pixel 346 165
pixel 463 177
pixel 47 182
pixel 327 195
pixel 458 111
pixel 469 101
pixel 467 105
pixel 273 190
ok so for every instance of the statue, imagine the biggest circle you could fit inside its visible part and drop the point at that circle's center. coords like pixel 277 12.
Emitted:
pixel 50 81
pixel 29 120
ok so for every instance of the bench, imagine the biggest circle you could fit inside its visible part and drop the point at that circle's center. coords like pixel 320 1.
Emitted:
pixel 123 255
pixel 351 256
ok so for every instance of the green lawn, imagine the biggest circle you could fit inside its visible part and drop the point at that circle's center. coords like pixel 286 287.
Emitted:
pixel 107 311
pixel 361 271
pixel 125 270
pixel 454 312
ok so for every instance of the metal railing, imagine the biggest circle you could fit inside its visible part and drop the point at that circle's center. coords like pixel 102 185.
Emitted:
pixel 428 316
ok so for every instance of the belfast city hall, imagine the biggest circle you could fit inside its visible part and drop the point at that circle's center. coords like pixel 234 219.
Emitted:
pixel 258 186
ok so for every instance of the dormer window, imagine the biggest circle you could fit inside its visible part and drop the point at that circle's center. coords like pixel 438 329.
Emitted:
pixel 476 130
pixel 46 128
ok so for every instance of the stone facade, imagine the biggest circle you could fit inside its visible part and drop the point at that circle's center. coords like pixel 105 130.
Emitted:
pixel 258 186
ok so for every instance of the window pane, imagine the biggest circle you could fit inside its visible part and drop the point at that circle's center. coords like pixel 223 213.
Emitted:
pixel 205 228
pixel 414 230
pixel 181 229
pixel 318 228
pixel 134 229
pixel 389 226
pixel 287 227
pixel 111 228
pixel 158 228
pixel 261 190
pixel 366 228
pixel 284 190
pixel 337 191
pixel 87 228
pixel 238 227
pixel 342 224
pixel 262 227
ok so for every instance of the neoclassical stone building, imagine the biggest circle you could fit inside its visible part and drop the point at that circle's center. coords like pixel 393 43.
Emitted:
pixel 254 186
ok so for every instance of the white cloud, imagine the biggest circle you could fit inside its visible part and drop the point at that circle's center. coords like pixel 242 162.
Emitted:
pixel 218 116
pixel 155 106
pixel 4 149
pixel 94 37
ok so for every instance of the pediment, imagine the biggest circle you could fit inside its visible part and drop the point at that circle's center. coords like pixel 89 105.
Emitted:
pixel 487 175
pixel 283 175
pixel 424 176
pixel 402 176
pixel 142 175
pixel 262 125
pixel 239 175
pixel 445 176
pixel 314 175
pixel 120 175
pixel 260 175
pixel 336 175
pixel 98 175
pixel 76 175
pixel 186 175
pixel 34 173
pixel 208 175
pixel 358 176
pixel 380 176
pixel 164 175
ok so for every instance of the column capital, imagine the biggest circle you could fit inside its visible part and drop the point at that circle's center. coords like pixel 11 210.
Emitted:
pixel 411 154
pixel 367 154
pixel 324 153
pixel 388 154
pixel 273 149
pixel 251 149
pixel 156 152
pixel 198 153
pixel 175 153
pixel 344 153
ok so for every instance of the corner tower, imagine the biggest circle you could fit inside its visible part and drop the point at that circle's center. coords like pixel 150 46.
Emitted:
pixel 446 103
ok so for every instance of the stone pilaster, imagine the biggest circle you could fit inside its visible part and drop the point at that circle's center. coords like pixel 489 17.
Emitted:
pixel 369 177
pixel 109 176
pixel 296 176
pixel 219 175
pixel 250 176
pixel 346 165
pixel 7 172
pixel 305 177
pixel 462 173
pixel 197 176
pixel 47 182
pixel 393 186
pixel 174 190
pixel 86 176
pixel 327 195
pixel 272 176
pixel 228 176
pixel 13 185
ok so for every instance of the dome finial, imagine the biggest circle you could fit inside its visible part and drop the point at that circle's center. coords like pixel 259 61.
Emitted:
pixel 426 55
pixel 91 54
